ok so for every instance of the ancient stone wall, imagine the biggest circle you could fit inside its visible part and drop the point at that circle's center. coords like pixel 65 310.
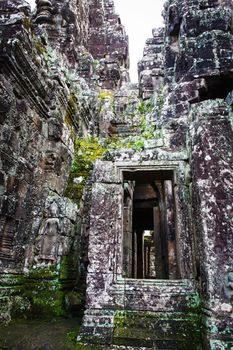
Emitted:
pixel 65 94
pixel 150 68
pixel 198 68
pixel 36 153
pixel 44 104
pixel 36 144
pixel 66 24
pixel 211 135
pixel 191 132
pixel 108 43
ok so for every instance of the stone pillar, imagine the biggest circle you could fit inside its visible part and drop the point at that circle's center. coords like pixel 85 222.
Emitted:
pixel 140 254
pixel 146 261
pixel 104 253
pixel 135 263
pixel 170 228
pixel 161 218
pixel 127 243
pixel 152 272
pixel 128 234
pixel 158 244
pixel 212 202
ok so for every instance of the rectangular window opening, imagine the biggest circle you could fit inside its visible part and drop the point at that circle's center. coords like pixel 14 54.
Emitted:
pixel 149 237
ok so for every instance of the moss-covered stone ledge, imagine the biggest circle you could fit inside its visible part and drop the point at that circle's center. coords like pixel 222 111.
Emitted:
pixel 41 292
pixel 171 330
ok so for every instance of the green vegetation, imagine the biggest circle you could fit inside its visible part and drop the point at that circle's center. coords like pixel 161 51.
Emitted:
pixel 55 333
pixel 43 292
pixel 117 142
pixel 86 152
pixel 105 94
pixel 71 115
pixel 40 48
pixel 38 293
pixel 27 23
pixel 195 303
pixel 145 107
pixel 42 288
pixel 159 102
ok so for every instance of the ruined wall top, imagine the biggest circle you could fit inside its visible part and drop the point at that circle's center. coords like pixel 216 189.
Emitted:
pixel 151 66
pixel 66 23
pixel 86 30
pixel 197 34
pixel 107 35
pixel 108 42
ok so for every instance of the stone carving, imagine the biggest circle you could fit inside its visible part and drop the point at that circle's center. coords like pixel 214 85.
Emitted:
pixel 108 42
pixel 6 238
pixel 50 232
pixel 150 68
pixel 228 286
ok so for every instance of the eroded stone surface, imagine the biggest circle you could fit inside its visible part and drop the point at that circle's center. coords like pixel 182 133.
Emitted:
pixel 64 74
pixel 44 101
pixel 196 61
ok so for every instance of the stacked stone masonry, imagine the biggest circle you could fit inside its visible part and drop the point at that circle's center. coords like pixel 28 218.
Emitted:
pixel 150 242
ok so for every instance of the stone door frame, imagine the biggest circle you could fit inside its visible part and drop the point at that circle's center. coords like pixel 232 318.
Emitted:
pixel 108 293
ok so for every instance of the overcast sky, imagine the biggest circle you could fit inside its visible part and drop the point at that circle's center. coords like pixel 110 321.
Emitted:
pixel 139 18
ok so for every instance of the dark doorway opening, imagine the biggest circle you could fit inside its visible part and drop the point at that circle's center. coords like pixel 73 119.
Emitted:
pixel 149 240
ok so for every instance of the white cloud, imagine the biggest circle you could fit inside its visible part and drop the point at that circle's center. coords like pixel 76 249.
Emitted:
pixel 139 18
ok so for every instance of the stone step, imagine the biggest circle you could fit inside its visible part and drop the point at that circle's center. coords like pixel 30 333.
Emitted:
pixel 159 330
pixel 97 326
pixel 157 296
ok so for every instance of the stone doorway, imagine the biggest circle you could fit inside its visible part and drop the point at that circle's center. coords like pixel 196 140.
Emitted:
pixel 130 209
pixel 149 238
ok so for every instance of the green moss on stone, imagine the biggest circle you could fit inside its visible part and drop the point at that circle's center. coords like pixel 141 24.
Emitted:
pixel 40 293
pixel 44 291
pixel 86 152
pixel 40 48
pixel 143 328
pixel 71 111
pixel 27 23
pixel 105 94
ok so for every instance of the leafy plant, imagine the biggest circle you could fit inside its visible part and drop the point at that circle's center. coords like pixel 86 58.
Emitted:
pixel 71 336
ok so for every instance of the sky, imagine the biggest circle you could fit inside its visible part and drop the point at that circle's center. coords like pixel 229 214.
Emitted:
pixel 139 18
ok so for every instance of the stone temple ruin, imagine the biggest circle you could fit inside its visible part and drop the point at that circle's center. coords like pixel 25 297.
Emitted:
pixel 112 195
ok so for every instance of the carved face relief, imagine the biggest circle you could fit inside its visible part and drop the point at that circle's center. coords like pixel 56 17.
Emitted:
pixel 228 285
pixel 53 210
